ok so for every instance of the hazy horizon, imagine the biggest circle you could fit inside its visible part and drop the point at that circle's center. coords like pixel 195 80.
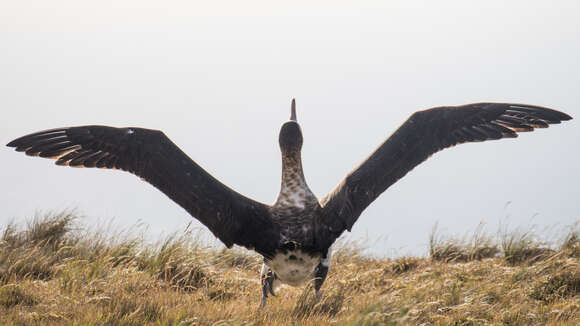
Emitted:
pixel 218 80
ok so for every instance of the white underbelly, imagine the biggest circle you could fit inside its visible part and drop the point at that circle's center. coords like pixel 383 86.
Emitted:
pixel 294 268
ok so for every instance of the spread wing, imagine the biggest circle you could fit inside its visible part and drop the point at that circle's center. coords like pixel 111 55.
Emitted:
pixel 149 154
pixel 423 134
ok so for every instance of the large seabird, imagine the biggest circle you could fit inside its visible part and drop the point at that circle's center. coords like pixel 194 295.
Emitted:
pixel 295 234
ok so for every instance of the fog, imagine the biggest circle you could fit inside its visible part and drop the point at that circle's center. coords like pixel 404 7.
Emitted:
pixel 218 77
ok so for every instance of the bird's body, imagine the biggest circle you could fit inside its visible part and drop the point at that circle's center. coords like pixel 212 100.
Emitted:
pixel 295 211
pixel 295 234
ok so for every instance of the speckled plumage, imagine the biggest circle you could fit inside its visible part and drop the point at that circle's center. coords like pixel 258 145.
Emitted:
pixel 296 206
pixel 295 211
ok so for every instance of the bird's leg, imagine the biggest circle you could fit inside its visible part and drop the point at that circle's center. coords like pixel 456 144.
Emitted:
pixel 320 276
pixel 268 277
pixel 321 272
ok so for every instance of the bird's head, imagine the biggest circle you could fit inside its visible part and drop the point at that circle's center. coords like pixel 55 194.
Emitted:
pixel 290 134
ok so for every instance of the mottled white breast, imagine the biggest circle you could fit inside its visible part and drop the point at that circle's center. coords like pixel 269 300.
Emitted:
pixel 295 267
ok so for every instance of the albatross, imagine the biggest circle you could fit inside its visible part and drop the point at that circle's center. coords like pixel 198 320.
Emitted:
pixel 295 234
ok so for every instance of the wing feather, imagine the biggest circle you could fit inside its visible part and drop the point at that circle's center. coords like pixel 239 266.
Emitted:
pixel 149 154
pixel 423 134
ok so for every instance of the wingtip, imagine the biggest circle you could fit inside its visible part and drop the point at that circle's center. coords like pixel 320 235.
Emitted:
pixel 293 110
pixel 562 116
pixel 13 143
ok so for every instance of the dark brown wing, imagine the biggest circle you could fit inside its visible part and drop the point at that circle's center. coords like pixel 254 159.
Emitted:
pixel 423 134
pixel 149 154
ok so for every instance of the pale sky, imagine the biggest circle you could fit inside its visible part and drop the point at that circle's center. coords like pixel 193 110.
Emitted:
pixel 217 77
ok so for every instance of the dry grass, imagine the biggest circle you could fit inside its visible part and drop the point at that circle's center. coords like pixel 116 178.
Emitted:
pixel 475 246
pixel 54 273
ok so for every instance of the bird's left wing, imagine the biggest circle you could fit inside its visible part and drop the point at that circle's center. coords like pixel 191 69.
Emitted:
pixel 151 155
pixel 423 134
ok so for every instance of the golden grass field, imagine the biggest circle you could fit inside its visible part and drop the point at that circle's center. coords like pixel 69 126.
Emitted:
pixel 54 272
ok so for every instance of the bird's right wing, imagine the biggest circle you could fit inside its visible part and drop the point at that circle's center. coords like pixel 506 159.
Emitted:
pixel 423 134
pixel 149 154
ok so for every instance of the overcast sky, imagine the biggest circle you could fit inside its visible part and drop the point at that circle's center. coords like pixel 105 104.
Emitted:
pixel 218 76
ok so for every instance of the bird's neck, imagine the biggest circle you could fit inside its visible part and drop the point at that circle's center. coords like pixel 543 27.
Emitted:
pixel 293 191
pixel 292 173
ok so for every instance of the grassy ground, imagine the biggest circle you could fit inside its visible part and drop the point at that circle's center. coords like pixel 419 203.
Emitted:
pixel 54 273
